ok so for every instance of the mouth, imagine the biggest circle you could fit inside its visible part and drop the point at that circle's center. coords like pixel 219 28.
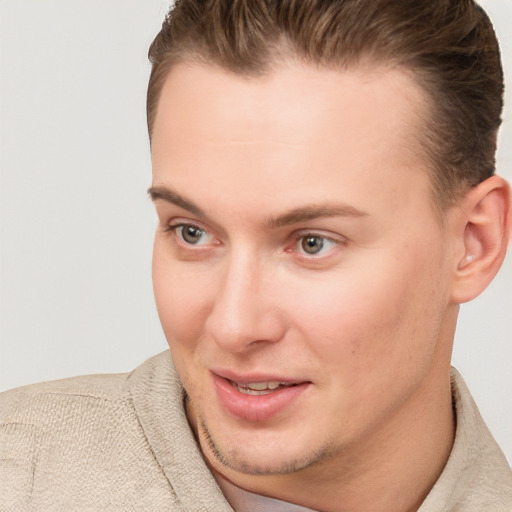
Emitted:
pixel 257 398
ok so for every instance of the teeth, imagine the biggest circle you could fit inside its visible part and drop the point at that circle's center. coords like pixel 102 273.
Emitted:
pixel 249 391
pixel 260 388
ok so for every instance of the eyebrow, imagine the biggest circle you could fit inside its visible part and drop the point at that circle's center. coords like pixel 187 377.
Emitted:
pixel 170 196
pixel 312 212
pixel 301 214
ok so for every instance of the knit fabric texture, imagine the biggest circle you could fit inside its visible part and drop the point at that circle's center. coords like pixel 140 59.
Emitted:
pixel 122 443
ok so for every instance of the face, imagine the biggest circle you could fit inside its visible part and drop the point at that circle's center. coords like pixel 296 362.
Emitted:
pixel 299 266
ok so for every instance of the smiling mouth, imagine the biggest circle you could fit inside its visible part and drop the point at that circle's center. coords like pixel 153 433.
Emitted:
pixel 256 400
pixel 260 388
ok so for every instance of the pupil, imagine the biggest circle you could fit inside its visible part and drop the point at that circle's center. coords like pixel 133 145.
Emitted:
pixel 312 244
pixel 192 234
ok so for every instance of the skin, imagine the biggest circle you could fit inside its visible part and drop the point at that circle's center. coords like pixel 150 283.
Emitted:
pixel 257 165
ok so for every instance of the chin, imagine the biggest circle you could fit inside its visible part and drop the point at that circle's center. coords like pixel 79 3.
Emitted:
pixel 263 455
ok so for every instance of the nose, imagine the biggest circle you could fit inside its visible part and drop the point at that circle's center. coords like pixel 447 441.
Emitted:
pixel 245 314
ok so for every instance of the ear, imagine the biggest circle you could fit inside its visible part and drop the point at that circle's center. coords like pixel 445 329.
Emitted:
pixel 484 230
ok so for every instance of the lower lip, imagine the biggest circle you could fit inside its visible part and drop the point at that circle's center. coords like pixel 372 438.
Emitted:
pixel 255 408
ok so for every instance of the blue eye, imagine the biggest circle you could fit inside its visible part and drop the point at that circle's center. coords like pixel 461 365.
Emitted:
pixel 316 244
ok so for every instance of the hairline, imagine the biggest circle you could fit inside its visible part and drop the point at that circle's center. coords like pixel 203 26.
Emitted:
pixel 424 115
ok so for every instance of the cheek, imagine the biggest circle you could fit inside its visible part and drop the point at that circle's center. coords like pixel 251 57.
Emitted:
pixel 369 330
pixel 182 299
pixel 372 312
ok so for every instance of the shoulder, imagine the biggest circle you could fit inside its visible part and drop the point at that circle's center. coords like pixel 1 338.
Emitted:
pixel 477 475
pixel 36 402
pixel 486 477
pixel 33 403
pixel 78 440
pixel 60 413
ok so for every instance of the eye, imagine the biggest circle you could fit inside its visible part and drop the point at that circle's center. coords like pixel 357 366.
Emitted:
pixel 191 234
pixel 313 245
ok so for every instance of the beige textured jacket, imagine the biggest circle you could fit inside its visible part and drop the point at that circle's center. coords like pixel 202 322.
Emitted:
pixel 122 442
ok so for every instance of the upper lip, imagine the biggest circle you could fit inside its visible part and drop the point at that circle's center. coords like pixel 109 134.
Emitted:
pixel 248 378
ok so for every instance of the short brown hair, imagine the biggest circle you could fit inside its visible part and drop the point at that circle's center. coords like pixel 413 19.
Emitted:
pixel 449 45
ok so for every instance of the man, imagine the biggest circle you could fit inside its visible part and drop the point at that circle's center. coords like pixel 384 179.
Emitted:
pixel 323 175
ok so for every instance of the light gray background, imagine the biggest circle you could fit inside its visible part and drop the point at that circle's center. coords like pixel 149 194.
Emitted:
pixel 75 223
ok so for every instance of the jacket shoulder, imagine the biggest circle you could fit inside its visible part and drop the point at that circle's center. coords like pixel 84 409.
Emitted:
pixel 35 402
pixel 31 403
pixel 67 444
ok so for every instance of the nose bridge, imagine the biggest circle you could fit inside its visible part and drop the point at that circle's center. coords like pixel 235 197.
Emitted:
pixel 243 312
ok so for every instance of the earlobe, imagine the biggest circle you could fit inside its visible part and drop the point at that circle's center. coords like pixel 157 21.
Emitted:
pixel 484 233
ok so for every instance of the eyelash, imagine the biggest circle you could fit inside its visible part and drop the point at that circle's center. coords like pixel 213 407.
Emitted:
pixel 298 238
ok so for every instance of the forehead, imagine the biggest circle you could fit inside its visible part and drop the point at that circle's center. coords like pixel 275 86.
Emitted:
pixel 289 92
pixel 298 128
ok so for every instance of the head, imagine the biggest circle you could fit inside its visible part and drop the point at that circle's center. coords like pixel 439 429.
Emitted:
pixel 322 173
